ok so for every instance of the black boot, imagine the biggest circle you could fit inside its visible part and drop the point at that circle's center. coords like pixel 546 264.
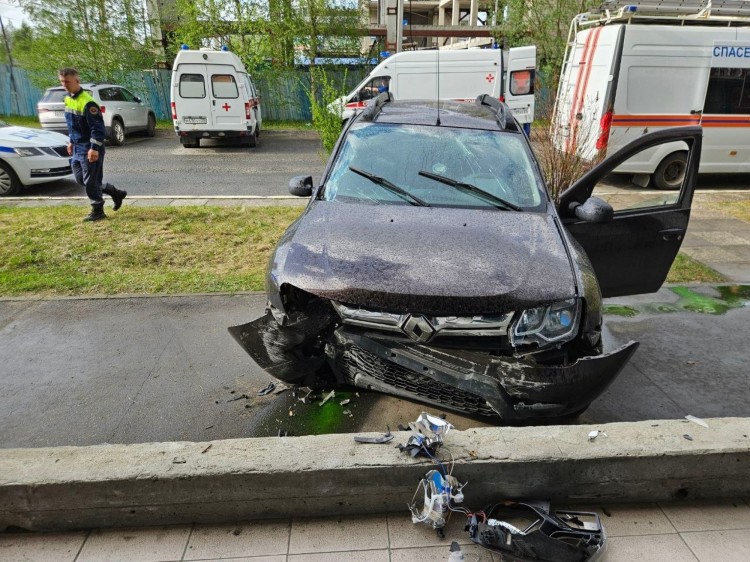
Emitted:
pixel 96 214
pixel 117 195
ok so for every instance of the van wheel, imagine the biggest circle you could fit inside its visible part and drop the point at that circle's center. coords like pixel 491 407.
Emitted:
pixel 670 173
pixel 117 136
pixel 187 142
pixel 151 126
pixel 9 182
pixel 252 140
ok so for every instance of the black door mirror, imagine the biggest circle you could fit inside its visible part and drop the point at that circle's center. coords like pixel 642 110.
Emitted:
pixel 592 210
pixel 301 186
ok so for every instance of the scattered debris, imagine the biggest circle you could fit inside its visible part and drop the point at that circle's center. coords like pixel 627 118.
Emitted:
pixel 207 448
pixel 473 454
pixel 688 437
pixel 596 433
pixel 240 397
pixel 328 397
pixel 426 435
pixel 385 438
pixel 280 387
pixel 344 402
pixel 178 460
pixel 282 433
pixel 696 420
pixel 557 536
pixel 691 362
pixel 439 491
pixel 606 512
pixel 267 390
pixel 306 398
pixel 347 413
pixel 209 427
pixel 291 413
pixel 456 555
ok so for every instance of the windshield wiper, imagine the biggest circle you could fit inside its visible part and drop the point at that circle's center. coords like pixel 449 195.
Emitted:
pixel 413 199
pixel 496 201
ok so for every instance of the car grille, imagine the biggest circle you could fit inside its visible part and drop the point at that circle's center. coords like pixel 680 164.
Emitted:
pixel 357 360
pixel 52 172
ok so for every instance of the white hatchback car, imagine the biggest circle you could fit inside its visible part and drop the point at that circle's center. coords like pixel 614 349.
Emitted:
pixel 123 111
pixel 31 156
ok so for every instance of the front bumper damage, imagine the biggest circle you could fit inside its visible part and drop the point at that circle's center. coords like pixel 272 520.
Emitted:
pixel 313 349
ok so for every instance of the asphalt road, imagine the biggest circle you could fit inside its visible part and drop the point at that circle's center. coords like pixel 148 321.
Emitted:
pixel 134 370
pixel 160 166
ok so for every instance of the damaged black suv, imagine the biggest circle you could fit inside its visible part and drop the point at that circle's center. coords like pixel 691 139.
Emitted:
pixel 431 263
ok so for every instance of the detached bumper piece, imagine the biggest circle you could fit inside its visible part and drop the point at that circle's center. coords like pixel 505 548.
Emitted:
pixel 559 536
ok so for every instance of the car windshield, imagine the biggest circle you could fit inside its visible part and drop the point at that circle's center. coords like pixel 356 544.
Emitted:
pixel 418 159
pixel 54 96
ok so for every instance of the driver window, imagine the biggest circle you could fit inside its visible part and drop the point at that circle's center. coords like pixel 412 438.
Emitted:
pixel 374 87
pixel 652 178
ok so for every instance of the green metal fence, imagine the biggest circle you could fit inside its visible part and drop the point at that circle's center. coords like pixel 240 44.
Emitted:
pixel 283 94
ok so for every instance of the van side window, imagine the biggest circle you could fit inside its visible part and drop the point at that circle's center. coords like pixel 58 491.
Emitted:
pixel 192 86
pixel 224 86
pixel 522 82
pixel 728 91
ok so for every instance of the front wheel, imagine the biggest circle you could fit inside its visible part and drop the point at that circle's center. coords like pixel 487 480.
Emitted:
pixel 9 182
pixel 670 173
pixel 117 136
pixel 151 126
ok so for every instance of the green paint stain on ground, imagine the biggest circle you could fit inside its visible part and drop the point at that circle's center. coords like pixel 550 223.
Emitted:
pixel 620 310
pixel 724 299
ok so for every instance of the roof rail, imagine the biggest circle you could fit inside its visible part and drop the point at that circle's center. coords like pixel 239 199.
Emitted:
pixel 374 106
pixel 679 12
pixel 502 111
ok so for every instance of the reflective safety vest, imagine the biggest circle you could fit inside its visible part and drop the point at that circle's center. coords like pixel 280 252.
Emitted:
pixel 85 121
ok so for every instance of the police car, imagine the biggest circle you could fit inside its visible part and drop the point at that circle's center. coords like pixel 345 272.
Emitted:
pixel 31 156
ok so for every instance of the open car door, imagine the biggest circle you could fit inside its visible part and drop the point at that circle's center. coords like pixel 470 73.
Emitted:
pixel 633 249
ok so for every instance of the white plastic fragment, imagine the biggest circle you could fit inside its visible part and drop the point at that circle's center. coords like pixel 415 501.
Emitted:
pixel 328 397
pixel 696 420
pixel 596 433
pixel 344 402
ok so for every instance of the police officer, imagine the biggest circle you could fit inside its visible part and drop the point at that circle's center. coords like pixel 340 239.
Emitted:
pixel 86 146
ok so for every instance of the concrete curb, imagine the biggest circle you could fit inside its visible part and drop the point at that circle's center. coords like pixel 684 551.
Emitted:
pixel 169 483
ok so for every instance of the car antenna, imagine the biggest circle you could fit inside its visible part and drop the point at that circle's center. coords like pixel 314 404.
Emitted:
pixel 437 56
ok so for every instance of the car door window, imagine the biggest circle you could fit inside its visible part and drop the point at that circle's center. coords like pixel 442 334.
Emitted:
pixel 116 94
pixel 128 96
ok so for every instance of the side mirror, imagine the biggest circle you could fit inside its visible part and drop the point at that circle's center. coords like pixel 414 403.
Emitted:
pixel 301 186
pixel 139 100
pixel 592 210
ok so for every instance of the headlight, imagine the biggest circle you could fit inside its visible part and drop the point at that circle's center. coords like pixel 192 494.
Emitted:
pixel 557 322
pixel 28 151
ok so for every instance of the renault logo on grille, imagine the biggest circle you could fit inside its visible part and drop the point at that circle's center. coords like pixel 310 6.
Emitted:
pixel 418 328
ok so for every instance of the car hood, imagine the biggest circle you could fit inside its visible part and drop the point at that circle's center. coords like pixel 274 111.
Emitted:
pixel 425 259
pixel 25 136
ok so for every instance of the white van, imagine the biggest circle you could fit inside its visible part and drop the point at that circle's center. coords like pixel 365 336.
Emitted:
pixel 649 67
pixel 463 75
pixel 213 96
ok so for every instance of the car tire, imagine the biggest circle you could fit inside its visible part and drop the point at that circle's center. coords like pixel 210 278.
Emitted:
pixel 187 142
pixel 9 182
pixel 117 135
pixel 252 140
pixel 670 172
pixel 151 126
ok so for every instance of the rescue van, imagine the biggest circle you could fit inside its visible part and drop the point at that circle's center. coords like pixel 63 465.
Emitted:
pixel 459 75
pixel 213 96
pixel 633 69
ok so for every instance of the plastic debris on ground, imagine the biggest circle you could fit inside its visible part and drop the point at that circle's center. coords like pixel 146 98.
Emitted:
pixel 330 395
pixel 526 531
pixel 596 433
pixel 440 491
pixel 456 554
pixel 344 402
pixel 280 387
pixel 426 435
pixel 385 438
pixel 696 420
pixel 267 390
pixel 688 437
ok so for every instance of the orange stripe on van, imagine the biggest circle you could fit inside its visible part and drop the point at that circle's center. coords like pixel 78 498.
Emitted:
pixel 581 69
pixel 653 120
pixel 587 75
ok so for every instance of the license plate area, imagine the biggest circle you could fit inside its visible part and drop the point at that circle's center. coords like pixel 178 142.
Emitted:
pixel 194 120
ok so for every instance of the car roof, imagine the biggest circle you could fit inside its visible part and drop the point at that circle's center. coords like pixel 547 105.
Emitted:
pixel 451 113
pixel 88 86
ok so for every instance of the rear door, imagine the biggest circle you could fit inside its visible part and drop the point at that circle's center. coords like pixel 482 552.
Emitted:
pixel 191 98
pixel 227 106
pixel 137 111
pixel 520 73
pixel 633 252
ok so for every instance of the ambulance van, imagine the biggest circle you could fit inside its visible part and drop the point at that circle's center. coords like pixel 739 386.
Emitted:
pixel 213 96
pixel 633 69
pixel 459 75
